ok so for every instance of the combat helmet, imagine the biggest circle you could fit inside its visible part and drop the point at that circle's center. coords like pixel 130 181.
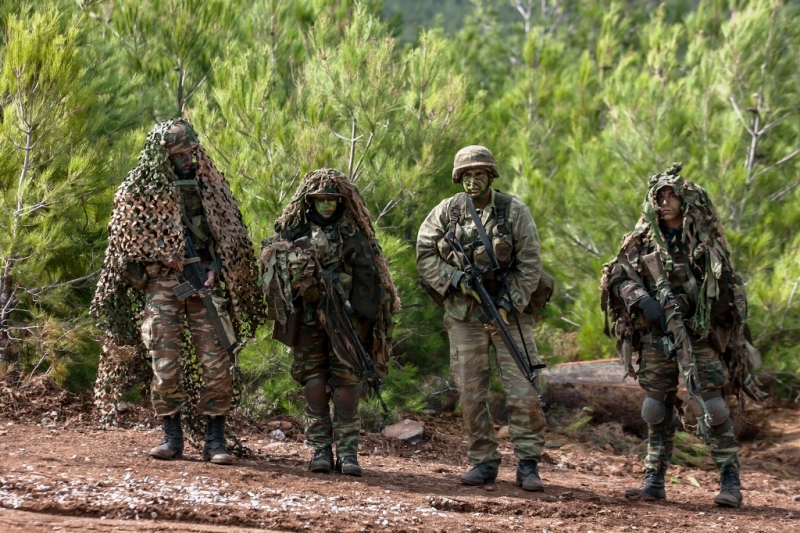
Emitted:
pixel 471 157
pixel 180 137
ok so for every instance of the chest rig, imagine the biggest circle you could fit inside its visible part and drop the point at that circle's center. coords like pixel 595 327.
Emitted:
pixel 498 228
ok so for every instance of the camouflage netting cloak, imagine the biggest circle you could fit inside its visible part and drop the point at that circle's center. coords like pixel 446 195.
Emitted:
pixel 721 311
pixel 146 227
pixel 290 273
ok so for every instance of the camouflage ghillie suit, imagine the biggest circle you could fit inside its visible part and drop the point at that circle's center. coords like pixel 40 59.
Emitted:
pixel 714 308
pixel 153 210
pixel 510 225
pixel 345 245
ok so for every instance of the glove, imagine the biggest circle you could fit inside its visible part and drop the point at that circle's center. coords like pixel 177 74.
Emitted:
pixel 651 309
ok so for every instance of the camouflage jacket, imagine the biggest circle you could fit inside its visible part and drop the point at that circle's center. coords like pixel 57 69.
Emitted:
pixel 517 245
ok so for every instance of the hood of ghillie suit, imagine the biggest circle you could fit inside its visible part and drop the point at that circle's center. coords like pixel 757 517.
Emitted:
pixel 146 227
pixel 328 181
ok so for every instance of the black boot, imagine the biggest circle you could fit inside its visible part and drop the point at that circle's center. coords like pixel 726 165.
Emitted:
pixel 215 449
pixel 528 476
pixel 652 488
pixel 172 445
pixel 322 461
pixel 349 466
pixel 730 489
pixel 480 474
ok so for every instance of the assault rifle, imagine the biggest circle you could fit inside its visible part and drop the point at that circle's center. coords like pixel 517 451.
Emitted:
pixel 195 283
pixel 334 290
pixel 676 343
pixel 474 281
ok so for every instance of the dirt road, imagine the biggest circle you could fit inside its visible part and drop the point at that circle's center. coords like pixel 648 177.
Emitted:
pixel 56 479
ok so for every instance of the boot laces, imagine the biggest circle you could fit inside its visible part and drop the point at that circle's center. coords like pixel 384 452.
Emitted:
pixel 729 481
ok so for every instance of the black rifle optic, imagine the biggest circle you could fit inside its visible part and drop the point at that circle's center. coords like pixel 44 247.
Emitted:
pixel 474 280
pixel 195 283
pixel 333 287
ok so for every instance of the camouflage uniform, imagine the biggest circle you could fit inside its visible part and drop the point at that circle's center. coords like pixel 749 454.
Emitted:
pixel 514 237
pixel 713 307
pixel 345 247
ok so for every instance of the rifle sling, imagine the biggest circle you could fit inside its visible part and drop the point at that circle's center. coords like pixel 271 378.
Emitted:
pixel 487 244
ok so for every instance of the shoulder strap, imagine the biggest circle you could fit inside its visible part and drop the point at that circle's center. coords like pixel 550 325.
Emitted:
pixel 502 206
pixel 456 210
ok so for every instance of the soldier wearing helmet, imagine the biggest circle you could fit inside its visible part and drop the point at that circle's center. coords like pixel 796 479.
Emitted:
pixel 515 241
pixel 328 210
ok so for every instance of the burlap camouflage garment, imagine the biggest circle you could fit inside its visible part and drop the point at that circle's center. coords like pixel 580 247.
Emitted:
pixel 469 340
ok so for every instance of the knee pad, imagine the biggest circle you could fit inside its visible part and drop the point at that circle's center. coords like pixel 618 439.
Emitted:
pixel 718 410
pixel 345 401
pixel 653 411
pixel 317 394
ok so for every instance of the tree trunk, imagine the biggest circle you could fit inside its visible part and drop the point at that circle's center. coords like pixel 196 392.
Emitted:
pixel 6 306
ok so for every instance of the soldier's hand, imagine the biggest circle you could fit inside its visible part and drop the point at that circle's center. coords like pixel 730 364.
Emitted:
pixel 211 276
pixel 466 291
pixel 174 263
pixel 503 314
pixel 651 309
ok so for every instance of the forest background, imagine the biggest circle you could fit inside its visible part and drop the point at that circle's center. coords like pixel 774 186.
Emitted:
pixel 580 101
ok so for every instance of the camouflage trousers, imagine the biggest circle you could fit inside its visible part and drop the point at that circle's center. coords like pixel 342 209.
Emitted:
pixel 324 378
pixel 162 335
pixel 660 374
pixel 469 366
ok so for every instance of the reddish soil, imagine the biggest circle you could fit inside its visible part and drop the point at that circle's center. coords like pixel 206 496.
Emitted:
pixel 67 474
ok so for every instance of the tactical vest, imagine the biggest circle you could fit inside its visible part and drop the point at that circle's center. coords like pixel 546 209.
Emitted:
pixel 498 229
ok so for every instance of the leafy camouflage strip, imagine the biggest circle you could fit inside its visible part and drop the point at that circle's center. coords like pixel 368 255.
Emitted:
pixel 703 231
pixel 356 212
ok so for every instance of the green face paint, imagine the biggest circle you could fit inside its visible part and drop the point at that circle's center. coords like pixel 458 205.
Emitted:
pixel 475 182
pixel 326 208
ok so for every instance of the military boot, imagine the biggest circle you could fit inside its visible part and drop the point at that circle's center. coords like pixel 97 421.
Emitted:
pixel 528 476
pixel 172 445
pixel 215 449
pixel 652 488
pixel 349 466
pixel 480 474
pixel 322 462
pixel 730 489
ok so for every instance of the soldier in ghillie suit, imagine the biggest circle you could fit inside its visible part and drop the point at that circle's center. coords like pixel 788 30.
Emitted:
pixel 702 299
pixel 329 214
pixel 175 193
pixel 511 228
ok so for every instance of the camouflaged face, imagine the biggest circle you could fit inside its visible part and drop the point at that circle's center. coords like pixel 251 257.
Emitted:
pixel 146 227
